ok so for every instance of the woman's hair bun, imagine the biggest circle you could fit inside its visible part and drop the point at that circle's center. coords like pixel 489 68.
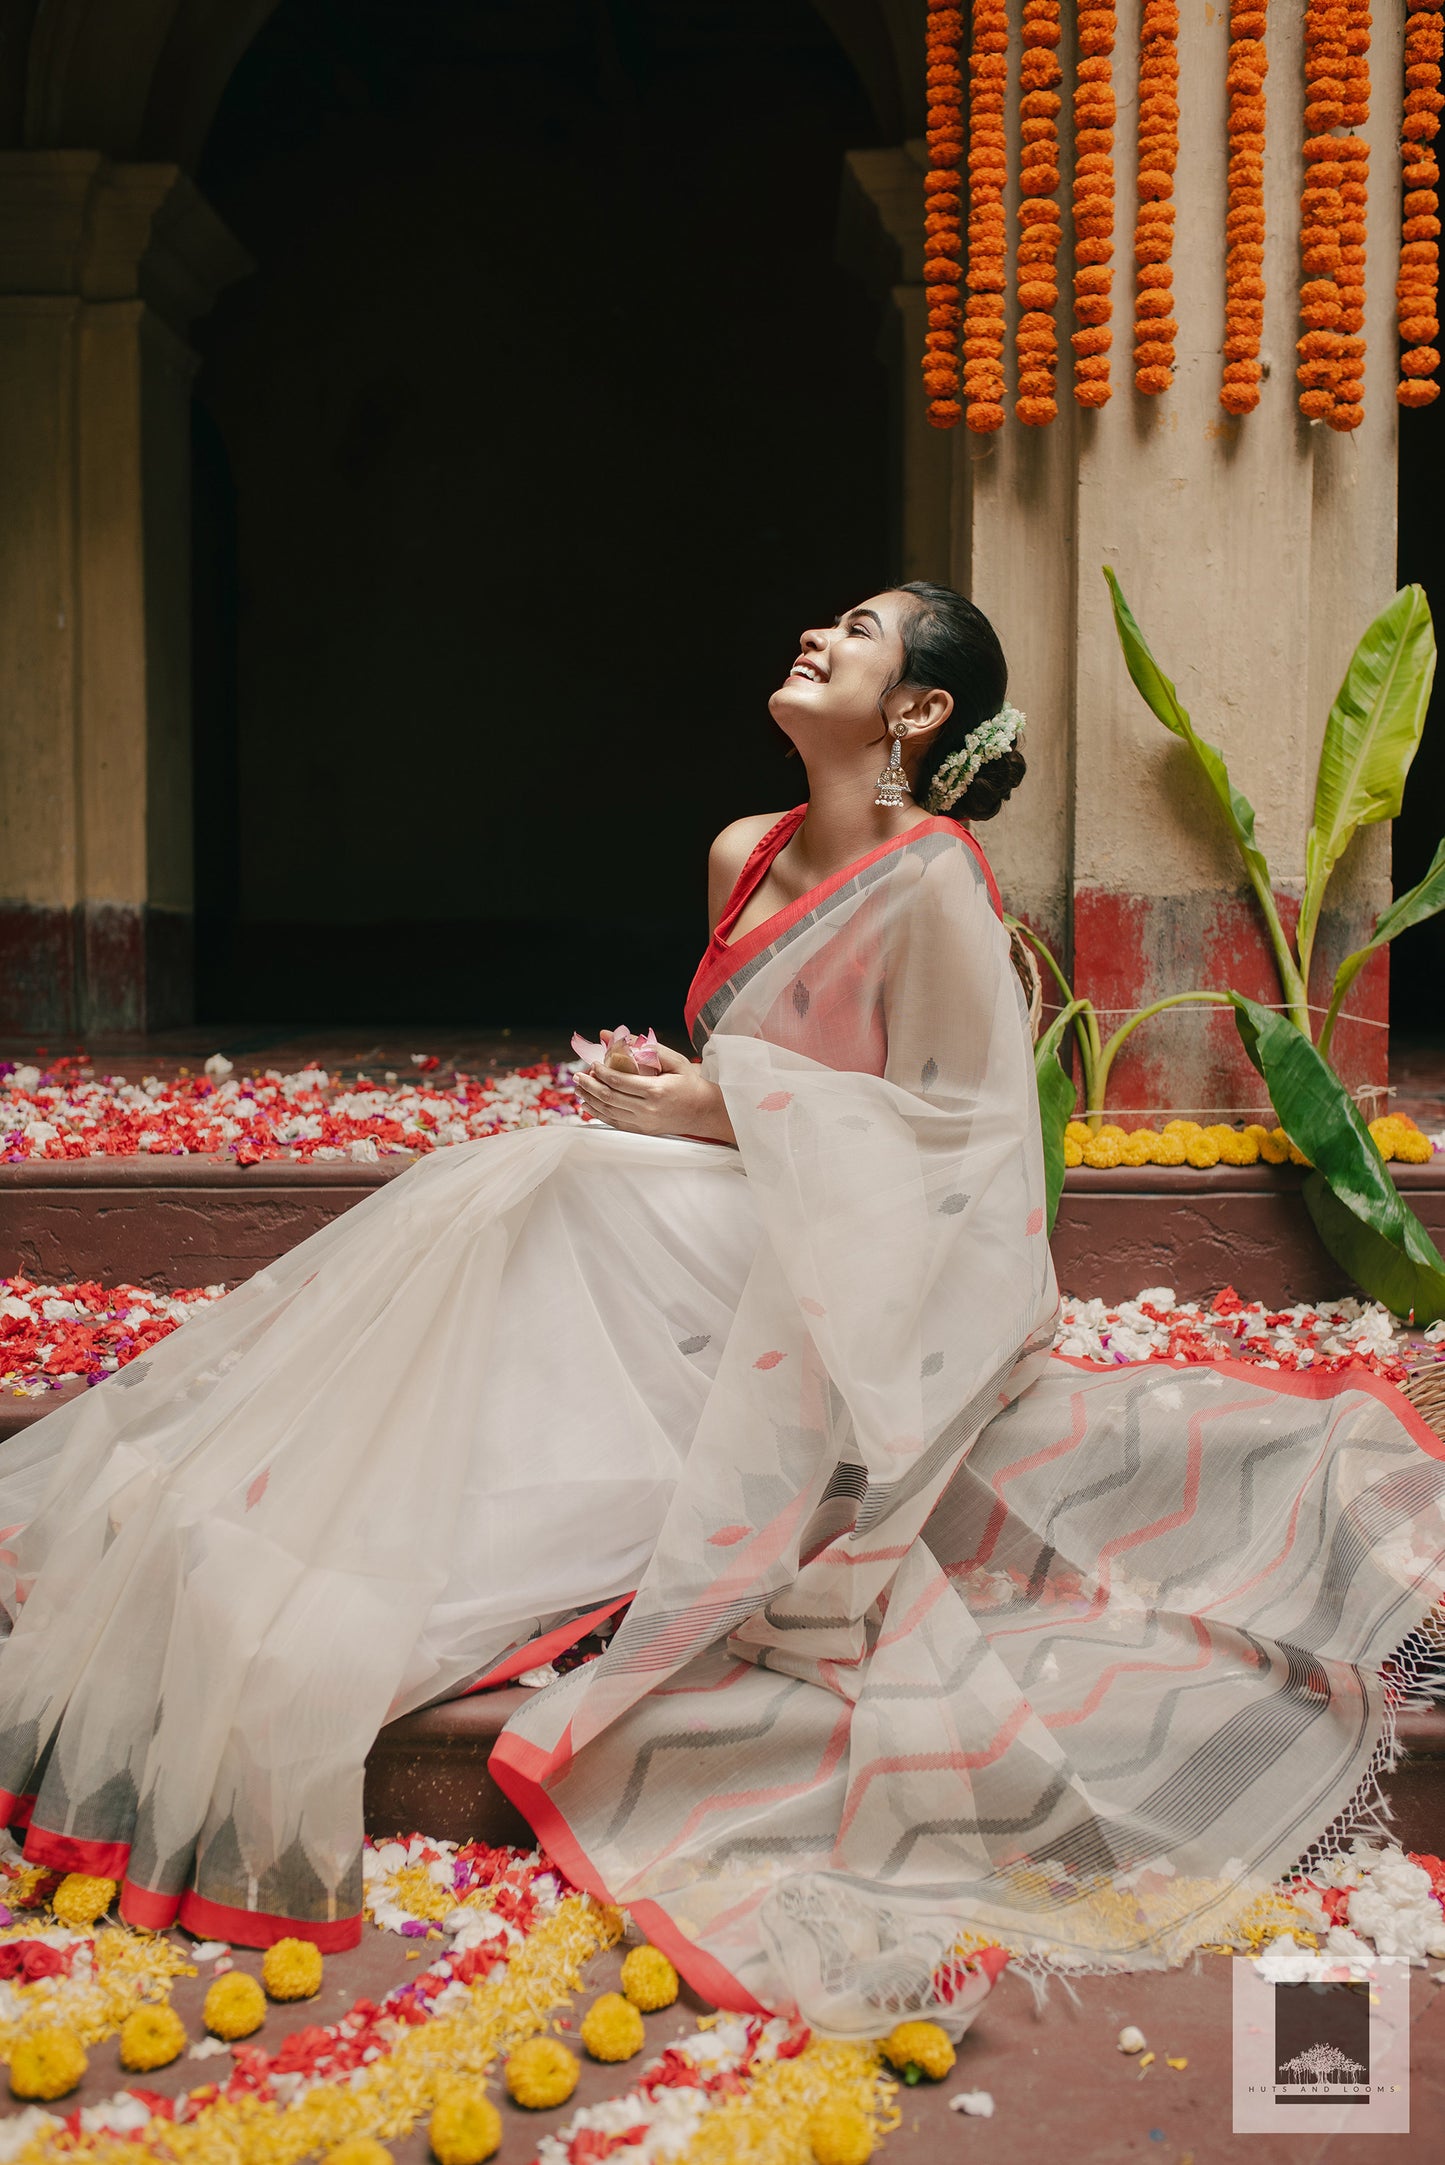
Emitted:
pixel 949 645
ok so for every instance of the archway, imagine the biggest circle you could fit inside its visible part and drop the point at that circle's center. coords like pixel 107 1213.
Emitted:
pixel 549 418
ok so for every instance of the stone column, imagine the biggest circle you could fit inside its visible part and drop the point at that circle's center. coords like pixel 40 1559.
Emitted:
pixel 1254 553
pixel 102 269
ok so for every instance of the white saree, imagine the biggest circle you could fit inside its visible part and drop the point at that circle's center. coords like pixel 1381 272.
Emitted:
pixel 933 1632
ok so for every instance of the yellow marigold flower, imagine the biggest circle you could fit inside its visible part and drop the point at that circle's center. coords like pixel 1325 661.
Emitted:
pixel 1274 1147
pixel 541 2072
pixel 1103 1150
pixel 649 1979
pixel 1170 1149
pixel 466 2126
pixel 291 1970
pixel 1110 1128
pixel 1242 1148
pixel 235 2006
pixel 1219 1131
pixel 47 2064
pixel 1296 1155
pixel 1073 1152
pixel 1256 1132
pixel 1386 1132
pixel 919 2048
pixel 81 1901
pixel 1414 1149
pixel 840 2134
pixel 358 2150
pixel 1202 1150
pixel 612 2028
pixel 1077 1131
pixel 1181 1127
pixel 151 2037
pixel 1139 1146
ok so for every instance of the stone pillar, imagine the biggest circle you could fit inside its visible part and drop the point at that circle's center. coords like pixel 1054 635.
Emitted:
pixel 102 269
pixel 1254 553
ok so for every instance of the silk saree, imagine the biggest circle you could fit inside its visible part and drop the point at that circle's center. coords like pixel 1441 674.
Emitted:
pixel 932 1633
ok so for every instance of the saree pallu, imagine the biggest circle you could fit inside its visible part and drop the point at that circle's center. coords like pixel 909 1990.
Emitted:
pixel 942 1634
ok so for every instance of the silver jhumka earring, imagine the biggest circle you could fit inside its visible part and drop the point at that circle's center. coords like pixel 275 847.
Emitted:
pixel 893 782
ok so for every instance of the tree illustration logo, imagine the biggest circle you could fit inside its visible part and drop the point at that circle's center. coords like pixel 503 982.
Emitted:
pixel 1322 2044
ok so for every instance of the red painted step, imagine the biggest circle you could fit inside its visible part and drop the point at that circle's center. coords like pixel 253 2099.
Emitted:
pixel 166 1223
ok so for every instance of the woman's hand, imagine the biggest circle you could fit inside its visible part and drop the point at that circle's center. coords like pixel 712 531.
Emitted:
pixel 677 1102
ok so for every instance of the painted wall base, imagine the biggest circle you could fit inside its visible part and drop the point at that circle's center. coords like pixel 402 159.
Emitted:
pixel 101 967
pixel 1132 949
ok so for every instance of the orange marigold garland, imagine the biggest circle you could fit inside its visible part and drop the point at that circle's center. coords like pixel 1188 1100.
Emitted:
pixel 1321 345
pixel 943 214
pixel 1354 156
pixel 1094 114
pixel 1244 226
pixel 1039 229
pixel 1417 288
pixel 983 313
pixel 1155 329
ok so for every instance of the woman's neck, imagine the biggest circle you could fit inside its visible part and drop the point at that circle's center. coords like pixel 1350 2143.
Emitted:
pixel 843 823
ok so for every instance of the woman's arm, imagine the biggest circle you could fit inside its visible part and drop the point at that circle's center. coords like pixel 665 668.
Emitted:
pixel 729 853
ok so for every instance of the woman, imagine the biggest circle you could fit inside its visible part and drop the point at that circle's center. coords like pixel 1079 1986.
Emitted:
pixel 932 1631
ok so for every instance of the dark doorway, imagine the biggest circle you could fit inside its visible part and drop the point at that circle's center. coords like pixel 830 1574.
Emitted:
pixel 549 420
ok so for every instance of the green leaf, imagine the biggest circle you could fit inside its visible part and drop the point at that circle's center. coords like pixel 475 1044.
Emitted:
pixel 1357 1209
pixel 1159 693
pixel 1423 900
pixel 1370 739
pixel 1056 1105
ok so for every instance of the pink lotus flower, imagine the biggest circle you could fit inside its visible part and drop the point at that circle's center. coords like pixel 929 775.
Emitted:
pixel 633 1055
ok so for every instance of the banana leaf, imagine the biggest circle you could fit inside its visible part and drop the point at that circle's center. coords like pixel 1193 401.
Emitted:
pixel 1358 1211
pixel 1159 694
pixel 1056 1105
pixel 1422 900
pixel 1370 739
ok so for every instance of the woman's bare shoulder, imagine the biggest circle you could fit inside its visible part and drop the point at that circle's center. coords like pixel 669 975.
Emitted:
pixel 729 853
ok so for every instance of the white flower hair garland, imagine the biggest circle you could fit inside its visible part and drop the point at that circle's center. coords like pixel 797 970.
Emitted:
pixel 996 735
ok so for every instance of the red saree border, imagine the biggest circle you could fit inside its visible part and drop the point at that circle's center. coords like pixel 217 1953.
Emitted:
pixel 152 1912
pixel 724 957
pixel 518 1769
pixel 538 1651
pixel 15 1810
pixel 72 1853
pixel 1288 1382
pixel 259 1928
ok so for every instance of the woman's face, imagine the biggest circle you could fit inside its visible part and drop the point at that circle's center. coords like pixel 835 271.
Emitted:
pixel 838 690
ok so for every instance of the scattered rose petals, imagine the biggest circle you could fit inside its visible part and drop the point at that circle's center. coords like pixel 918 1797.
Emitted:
pixel 67 1111
pixel 1328 1339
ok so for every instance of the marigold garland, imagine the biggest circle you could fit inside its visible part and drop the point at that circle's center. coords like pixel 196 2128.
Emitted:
pixel 1094 115
pixel 1040 232
pixel 1354 155
pixel 1244 225
pixel 943 214
pixel 983 313
pixel 1155 329
pixel 1321 346
pixel 1417 287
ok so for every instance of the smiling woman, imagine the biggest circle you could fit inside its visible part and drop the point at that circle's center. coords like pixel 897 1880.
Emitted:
pixel 983 1642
